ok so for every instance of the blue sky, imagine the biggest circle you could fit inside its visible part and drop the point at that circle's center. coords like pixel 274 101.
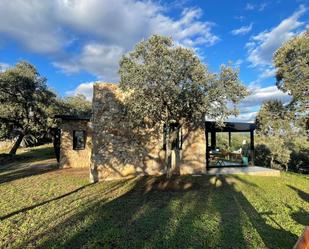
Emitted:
pixel 75 43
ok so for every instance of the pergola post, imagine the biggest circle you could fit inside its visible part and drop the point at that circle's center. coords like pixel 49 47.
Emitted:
pixel 207 149
pixel 251 147
pixel 229 139
pixel 213 139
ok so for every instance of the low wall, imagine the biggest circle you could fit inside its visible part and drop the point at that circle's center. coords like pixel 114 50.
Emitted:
pixel 70 158
pixel 119 151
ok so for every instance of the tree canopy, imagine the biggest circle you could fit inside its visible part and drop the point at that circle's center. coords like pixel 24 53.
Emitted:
pixel 74 105
pixel 168 83
pixel 292 63
pixel 25 102
pixel 273 118
pixel 274 125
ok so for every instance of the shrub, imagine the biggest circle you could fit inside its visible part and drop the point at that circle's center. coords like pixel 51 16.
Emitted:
pixel 262 155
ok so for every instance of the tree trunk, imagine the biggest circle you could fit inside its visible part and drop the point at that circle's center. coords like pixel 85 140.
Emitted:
pixel 16 144
pixel 167 154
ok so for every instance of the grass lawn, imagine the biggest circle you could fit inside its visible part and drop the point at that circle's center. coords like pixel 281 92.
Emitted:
pixel 43 207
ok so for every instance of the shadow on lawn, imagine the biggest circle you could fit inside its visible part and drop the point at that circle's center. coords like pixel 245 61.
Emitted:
pixel 42 203
pixel 27 171
pixel 183 212
pixel 32 155
pixel 24 164
pixel 301 216
pixel 303 195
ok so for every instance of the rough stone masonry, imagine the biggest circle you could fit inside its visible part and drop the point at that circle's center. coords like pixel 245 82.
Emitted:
pixel 119 151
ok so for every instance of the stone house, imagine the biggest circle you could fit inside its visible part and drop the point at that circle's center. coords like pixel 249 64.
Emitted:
pixel 106 144
pixel 110 149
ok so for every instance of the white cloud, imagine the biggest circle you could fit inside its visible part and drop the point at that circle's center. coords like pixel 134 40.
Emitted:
pixel 268 72
pixel 98 59
pixel 262 6
pixel 259 7
pixel 83 88
pixel 259 95
pixel 33 24
pixel 250 6
pixel 262 46
pixel 250 105
pixel 242 30
pixel 187 30
pixel 98 27
pixel 4 66
pixel 240 18
pixel 238 62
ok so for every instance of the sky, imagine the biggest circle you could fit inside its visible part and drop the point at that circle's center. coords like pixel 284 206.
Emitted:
pixel 74 43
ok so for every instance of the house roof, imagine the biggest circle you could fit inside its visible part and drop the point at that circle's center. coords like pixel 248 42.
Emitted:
pixel 73 117
pixel 229 127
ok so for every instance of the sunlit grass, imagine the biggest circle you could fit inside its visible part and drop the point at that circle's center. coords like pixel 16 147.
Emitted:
pixel 60 209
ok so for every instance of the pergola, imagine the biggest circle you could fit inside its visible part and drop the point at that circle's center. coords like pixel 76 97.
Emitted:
pixel 212 128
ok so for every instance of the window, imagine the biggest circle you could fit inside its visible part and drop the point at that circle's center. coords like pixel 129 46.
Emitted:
pixel 79 140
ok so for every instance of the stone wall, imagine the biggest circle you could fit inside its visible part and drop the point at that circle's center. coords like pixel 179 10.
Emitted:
pixel 193 153
pixel 119 151
pixel 70 158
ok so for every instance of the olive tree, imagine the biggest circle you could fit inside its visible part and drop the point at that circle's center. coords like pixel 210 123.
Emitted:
pixel 274 118
pixel 275 129
pixel 168 84
pixel 25 103
pixel 291 61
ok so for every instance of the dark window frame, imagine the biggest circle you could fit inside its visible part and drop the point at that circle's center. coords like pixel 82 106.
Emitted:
pixel 76 146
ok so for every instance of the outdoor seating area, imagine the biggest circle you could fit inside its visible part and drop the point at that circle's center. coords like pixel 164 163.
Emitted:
pixel 224 155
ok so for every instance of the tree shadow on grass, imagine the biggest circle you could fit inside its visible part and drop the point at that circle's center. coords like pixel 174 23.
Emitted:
pixel 303 195
pixel 183 212
pixel 273 237
pixel 41 203
pixel 33 162
pixel 23 170
pixel 301 216
pixel 32 155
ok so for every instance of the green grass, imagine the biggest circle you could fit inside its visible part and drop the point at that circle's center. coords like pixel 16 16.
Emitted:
pixel 60 209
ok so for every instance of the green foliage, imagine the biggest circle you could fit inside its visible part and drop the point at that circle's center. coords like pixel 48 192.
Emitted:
pixel 274 126
pixel 262 155
pixel 280 127
pixel 278 132
pixel 291 61
pixel 25 103
pixel 167 83
pixel 276 151
pixel 273 119
pixel 236 140
pixel 300 153
pixel 74 105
